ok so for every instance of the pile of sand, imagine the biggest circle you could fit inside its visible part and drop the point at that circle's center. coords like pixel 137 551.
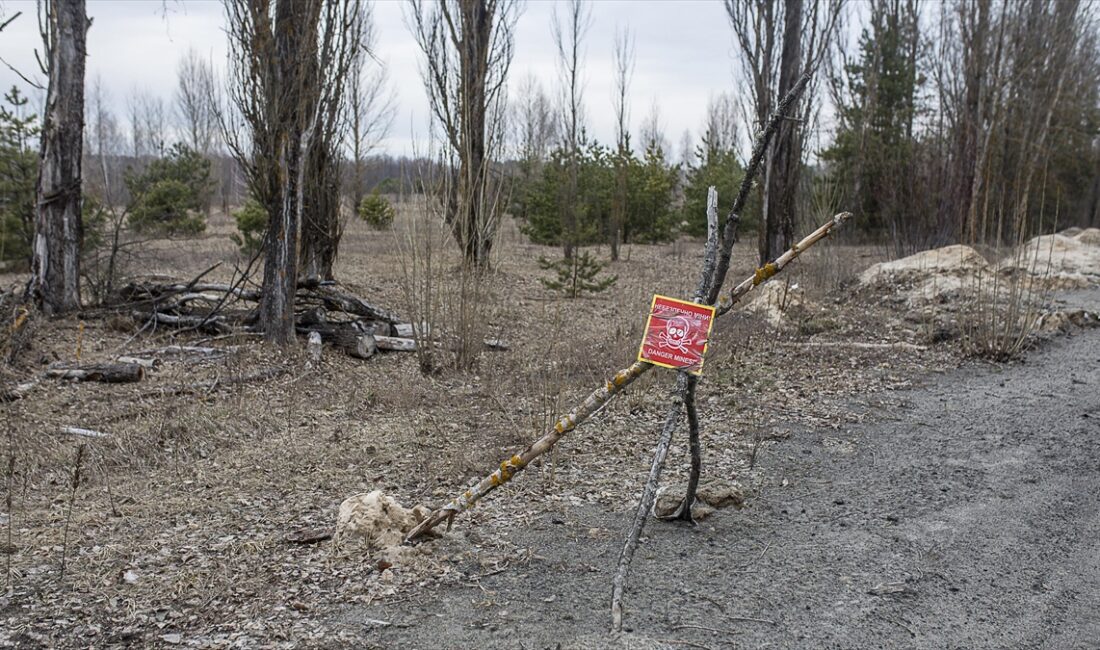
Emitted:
pixel 775 302
pixel 1058 261
pixel 957 260
pixel 1089 236
pixel 378 521
pixel 937 275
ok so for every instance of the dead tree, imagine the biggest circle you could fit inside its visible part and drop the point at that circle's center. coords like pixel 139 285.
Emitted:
pixel 370 105
pixel 275 94
pixel 55 266
pixel 784 159
pixel 778 40
pixel 624 65
pixel 568 39
pixel 195 109
pixel 322 226
pixel 467 47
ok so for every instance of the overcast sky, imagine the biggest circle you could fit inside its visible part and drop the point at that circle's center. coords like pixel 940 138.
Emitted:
pixel 684 54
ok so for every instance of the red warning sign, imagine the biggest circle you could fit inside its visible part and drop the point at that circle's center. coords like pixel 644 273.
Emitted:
pixel 676 334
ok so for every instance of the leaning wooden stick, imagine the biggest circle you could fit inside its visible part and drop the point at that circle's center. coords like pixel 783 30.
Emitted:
pixel 604 394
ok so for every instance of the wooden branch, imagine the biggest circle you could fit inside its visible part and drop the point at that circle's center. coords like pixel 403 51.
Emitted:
pixel 595 400
pixel 86 433
pixel 729 230
pixel 765 273
pixel 683 394
pixel 16 392
pixel 111 373
pixel 683 512
pixel 206 324
pixel 645 504
pixel 352 338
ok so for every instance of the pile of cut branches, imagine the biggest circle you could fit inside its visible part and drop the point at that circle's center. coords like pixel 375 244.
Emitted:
pixel 338 316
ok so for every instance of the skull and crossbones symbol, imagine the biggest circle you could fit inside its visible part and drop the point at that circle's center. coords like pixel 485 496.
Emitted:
pixel 676 334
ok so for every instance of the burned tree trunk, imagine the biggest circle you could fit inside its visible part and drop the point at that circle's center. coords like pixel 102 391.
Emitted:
pixel 785 153
pixel 55 270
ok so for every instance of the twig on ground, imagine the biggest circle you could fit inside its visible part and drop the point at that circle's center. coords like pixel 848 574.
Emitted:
pixel 687 643
pixel 86 433
pixel 69 515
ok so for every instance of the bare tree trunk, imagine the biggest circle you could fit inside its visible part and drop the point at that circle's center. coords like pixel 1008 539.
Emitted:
pixel 474 48
pixel 568 39
pixel 55 269
pixel 467 103
pixel 321 227
pixel 624 63
pixel 785 154
pixel 295 22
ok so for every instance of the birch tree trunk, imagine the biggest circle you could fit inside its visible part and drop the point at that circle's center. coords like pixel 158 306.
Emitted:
pixel 55 269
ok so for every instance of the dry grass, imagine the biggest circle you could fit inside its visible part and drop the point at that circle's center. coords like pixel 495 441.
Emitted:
pixel 205 486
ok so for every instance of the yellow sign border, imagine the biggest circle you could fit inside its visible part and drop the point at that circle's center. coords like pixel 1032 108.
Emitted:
pixel 645 332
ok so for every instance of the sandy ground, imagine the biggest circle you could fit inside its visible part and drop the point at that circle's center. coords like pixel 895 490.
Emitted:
pixel 966 514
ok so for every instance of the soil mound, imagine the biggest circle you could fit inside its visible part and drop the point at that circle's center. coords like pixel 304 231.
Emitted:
pixel 1089 236
pixel 1058 261
pixel 378 520
pixel 957 260
pixel 776 302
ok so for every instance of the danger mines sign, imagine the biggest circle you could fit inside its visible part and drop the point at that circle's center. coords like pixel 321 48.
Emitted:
pixel 676 334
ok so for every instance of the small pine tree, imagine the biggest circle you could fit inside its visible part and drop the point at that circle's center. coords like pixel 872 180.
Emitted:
pixel 576 275
pixel 18 173
pixel 377 211
pixel 251 226
pixel 170 194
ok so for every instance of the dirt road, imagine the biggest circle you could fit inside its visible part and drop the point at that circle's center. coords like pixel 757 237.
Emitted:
pixel 968 515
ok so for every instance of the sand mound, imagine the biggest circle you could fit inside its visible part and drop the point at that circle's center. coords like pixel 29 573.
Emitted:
pixel 378 520
pixel 711 496
pixel 939 275
pixel 1089 237
pixel 956 260
pixel 1060 262
pixel 775 301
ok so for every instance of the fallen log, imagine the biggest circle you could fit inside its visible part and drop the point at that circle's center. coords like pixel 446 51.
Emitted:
pixel 141 361
pixel 208 324
pixel 111 373
pixel 335 301
pixel 395 344
pixel 86 433
pixel 349 337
